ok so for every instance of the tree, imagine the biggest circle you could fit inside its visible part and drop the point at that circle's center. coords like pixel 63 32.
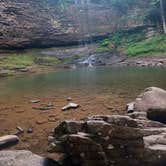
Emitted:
pixel 156 14
pixel 163 15
pixel 122 5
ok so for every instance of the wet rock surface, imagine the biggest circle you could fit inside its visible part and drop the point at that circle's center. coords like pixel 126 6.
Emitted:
pixel 112 140
pixel 81 56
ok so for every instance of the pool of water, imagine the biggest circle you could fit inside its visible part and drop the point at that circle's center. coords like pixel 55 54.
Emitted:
pixel 128 81
pixel 98 91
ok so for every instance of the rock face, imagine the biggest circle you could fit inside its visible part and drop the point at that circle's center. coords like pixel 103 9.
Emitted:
pixel 30 23
pixel 23 158
pixel 152 101
pixel 112 141
pixel 42 23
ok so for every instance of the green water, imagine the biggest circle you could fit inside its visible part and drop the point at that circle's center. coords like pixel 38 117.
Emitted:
pixel 129 81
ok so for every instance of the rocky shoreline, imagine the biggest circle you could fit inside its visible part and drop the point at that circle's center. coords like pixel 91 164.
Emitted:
pixel 137 138
pixel 51 59
pixel 152 61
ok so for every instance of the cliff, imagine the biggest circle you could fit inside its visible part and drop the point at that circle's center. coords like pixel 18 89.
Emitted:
pixel 28 23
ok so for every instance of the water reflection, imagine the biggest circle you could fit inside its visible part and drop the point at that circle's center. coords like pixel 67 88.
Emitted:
pixel 93 80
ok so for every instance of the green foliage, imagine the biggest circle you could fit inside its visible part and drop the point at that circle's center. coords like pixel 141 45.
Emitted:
pixel 17 61
pixel 46 60
pixel 105 42
pixel 121 37
pixel 133 42
pixel 6 73
pixel 150 46
pixel 104 46
pixel 102 49
pixel 25 59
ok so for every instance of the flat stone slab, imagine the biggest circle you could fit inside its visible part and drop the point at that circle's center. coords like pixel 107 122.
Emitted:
pixel 44 108
pixel 24 158
pixel 35 101
pixel 8 140
pixel 70 106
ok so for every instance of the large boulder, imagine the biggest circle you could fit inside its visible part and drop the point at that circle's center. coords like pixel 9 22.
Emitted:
pixel 111 141
pixel 24 158
pixel 153 102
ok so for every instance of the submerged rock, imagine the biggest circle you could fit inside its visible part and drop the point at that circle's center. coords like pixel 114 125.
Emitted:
pixel 69 99
pixel 30 130
pixel 70 106
pixel 43 108
pixel 8 140
pixel 19 130
pixel 42 121
pixel 35 101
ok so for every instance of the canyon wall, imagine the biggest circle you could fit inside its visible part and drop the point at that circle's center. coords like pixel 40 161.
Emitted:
pixel 44 23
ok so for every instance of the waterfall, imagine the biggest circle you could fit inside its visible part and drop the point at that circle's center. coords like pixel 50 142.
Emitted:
pixel 84 22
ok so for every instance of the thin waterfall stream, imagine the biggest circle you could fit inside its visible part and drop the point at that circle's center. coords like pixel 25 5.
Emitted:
pixel 84 22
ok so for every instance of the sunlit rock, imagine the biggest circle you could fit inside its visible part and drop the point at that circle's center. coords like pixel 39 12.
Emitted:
pixel 153 102
pixel 8 140
pixel 70 106
pixel 24 158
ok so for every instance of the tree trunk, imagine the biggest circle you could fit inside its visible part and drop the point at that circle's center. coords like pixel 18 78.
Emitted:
pixel 163 16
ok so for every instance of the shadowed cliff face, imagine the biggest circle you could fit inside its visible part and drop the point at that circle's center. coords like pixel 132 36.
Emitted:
pixel 32 23
pixel 43 23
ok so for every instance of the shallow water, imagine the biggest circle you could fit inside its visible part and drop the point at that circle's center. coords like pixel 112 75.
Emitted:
pixel 129 81
pixel 98 91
